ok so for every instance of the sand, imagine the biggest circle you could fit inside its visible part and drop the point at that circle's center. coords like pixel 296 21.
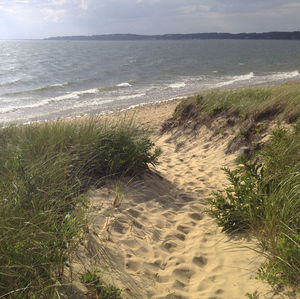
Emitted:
pixel 150 236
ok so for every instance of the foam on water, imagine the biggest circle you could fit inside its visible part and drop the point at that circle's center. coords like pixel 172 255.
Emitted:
pixel 284 75
pixel 177 85
pixel 88 91
pixel 124 84
pixel 132 96
pixel 235 79
pixel 40 103
pixel 65 79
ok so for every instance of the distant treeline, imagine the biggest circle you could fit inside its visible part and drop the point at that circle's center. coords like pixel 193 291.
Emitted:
pixel 295 35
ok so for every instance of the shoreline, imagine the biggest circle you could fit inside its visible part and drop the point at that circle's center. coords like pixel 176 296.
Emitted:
pixel 105 113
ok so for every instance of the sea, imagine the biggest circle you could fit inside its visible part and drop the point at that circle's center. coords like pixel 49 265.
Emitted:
pixel 46 80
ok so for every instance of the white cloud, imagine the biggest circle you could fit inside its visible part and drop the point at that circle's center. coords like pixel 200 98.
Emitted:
pixel 37 18
pixel 58 2
pixel 84 5
pixel 54 15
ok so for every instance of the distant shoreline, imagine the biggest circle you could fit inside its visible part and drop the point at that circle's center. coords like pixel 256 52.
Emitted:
pixel 274 35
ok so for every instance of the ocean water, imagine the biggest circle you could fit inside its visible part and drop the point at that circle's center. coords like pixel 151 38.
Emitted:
pixel 44 80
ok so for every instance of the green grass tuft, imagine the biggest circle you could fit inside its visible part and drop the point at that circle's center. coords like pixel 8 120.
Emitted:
pixel 45 169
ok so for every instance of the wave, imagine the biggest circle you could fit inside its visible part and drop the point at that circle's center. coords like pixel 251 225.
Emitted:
pixel 87 91
pixel 132 96
pixel 10 83
pixel 69 95
pixel 36 90
pixel 235 79
pixel 177 85
pixel 49 87
pixel 41 103
pixel 124 84
pixel 278 76
pixel 283 75
pixel 60 84
pixel 113 87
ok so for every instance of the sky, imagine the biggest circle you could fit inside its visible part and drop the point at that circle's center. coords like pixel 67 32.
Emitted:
pixel 22 19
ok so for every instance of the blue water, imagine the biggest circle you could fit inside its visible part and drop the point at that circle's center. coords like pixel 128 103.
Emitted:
pixel 51 79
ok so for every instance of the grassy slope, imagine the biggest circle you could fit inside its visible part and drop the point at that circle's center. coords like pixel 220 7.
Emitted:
pixel 264 197
pixel 44 171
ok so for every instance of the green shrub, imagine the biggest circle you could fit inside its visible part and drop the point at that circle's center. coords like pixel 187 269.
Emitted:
pixel 264 199
pixel 93 282
pixel 217 109
pixel 241 206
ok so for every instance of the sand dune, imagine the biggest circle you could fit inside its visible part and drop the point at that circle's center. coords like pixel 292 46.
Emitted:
pixel 150 235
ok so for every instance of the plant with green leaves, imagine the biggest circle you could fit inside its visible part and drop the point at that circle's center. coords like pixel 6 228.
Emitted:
pixel 264 199
pixel 243 200
pixel 103 291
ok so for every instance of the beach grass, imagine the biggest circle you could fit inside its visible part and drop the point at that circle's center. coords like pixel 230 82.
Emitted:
pixel 45 170
pixel 263 198
pixel 280 101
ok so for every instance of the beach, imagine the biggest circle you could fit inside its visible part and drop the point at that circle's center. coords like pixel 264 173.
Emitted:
pixel 156 201
pixel 150 234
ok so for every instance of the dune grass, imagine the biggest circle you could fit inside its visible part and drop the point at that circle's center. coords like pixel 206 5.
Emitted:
pixel 264 196
pixel 259 103
pixel 45 170
pixel 263 199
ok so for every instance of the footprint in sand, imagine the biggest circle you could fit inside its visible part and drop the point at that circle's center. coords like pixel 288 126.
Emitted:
pixel 120 227
pixel 184 274
pixel 132 265
pixel 184 229
pixel 133 213
pixel 137 224
pixel 196 216
pixel 178 285
pixel 179 236
pixel 155 266
pixel 169 246
pixel 200 261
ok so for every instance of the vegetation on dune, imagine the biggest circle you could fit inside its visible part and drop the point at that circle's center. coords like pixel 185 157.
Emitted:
pixel 250 109
pixel 263 199
pixel 98 288
pixel 44 171
pixel 263 102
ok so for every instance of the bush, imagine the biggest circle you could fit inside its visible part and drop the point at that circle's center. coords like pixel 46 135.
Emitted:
pixel 242 204
pixel 264 199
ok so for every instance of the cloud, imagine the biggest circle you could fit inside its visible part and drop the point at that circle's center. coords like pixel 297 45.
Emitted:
pixel 54 15
pixel 84 4
pixel 57 2
pixel 71 17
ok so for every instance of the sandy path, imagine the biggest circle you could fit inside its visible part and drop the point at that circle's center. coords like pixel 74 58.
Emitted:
pixel 158 241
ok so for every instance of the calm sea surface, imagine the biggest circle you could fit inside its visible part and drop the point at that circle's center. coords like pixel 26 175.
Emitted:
pixel 42 80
